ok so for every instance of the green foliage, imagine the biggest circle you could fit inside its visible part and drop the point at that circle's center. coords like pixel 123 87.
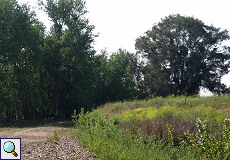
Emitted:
pixel 169 134
pixel 139 114
pixel 121 79
pixel 115 77
pixel 183 54
pixel 107 141
pixel 147 108
pixel 44 76
pixel 20 36
pixel 186 114
pixel 69 57
pixel 56 138
pixel 50 75
pixel 172 132
pixel 204 142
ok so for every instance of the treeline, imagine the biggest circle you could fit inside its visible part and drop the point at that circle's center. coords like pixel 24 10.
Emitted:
pixel 51 74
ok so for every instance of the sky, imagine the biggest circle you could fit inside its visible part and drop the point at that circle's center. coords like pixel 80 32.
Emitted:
pixel 120 22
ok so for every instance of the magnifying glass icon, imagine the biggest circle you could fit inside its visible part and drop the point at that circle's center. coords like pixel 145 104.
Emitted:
pixel 9 147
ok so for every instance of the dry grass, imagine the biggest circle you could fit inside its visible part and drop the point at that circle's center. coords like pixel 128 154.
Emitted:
pixel 158 129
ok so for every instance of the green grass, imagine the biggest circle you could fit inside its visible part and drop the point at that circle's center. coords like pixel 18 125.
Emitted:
pixel 216 102
pixel 186 114
pixel 107 141
pixel 159 128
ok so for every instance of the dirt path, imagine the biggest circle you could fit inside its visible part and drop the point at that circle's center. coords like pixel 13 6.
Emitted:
pixel 53 142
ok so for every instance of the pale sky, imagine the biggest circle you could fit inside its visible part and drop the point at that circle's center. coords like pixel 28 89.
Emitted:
pixel 120 22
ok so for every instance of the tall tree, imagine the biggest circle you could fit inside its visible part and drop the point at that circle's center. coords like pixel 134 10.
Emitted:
pixel 69 56
pixel 121 77
pixel 20 37
pixel 116 77
pixel 101 62
pixel 183 54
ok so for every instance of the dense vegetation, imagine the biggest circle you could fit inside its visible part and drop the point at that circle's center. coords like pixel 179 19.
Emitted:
pixel 44 75
pixel 183 54
pixel 50 75
pixel 159 128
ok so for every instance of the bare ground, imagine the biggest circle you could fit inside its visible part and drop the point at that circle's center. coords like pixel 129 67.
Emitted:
pixel 53 142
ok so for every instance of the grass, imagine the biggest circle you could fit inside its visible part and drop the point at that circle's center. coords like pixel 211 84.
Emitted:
pixel 55 136
pixel 159 128
pixel 216 102
pixel 186 114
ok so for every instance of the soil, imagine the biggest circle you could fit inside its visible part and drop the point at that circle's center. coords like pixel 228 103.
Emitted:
pixel 54 141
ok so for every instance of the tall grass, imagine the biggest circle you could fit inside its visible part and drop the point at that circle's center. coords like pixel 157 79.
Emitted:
pixel 216 102
pixel 108 142
pixel 186 114
pixel 160 128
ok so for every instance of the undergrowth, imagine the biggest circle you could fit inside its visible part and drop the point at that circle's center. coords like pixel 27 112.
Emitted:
pixel 220 103
pixel 107 141
pixel 201 131
pixel 205 142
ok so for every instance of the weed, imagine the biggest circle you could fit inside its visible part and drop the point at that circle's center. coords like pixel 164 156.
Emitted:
pixel 159 128
pixel 207 144
pixel 107 141
pixel 55 136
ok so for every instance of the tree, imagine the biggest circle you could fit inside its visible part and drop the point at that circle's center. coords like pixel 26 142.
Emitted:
pixel 69 56
pixel 101 81
pixel 121 78
pixel 115 77
pixel 182 54
pixel 20 37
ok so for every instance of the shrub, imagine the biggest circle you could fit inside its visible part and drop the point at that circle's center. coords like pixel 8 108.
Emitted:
pixel 204 142
pixel 107 141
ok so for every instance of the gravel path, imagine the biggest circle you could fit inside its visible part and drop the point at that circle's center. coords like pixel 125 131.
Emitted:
pixel 48 143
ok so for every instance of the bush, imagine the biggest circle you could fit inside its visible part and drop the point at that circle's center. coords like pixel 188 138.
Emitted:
pixel 206 143
pixel 107 141
pixel 159 128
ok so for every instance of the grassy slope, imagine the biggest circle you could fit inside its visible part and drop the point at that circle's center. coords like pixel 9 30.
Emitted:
pixel 184 108
pixel 147 136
